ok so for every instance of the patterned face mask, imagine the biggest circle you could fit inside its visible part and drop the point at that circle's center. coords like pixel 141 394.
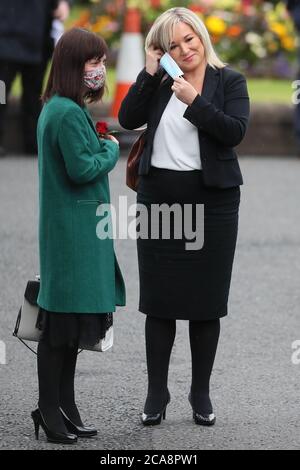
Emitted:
pixel 95 79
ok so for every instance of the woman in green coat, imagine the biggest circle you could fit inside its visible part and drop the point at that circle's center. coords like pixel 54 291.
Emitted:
pixel 81 282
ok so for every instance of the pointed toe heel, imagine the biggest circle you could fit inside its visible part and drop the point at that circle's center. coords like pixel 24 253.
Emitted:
pixel 155 418
pixel 79 431
pixel 202 419
pixel 52 436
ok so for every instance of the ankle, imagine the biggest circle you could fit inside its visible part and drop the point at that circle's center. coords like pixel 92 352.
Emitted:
pixel 156 401
pixel 72 413
pixel 200 401
pixel 52 418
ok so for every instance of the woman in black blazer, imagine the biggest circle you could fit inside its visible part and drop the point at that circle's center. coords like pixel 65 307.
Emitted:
pixel 193 123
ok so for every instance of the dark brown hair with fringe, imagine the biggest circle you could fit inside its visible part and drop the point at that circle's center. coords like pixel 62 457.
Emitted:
pixel 66 78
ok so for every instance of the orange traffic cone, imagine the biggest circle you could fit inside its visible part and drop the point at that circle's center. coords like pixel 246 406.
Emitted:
pixel 131 58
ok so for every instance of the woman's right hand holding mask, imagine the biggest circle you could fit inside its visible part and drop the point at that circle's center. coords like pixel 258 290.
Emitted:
pixel 153 56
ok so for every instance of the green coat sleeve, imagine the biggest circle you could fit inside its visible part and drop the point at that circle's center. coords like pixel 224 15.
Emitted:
pixel 82 164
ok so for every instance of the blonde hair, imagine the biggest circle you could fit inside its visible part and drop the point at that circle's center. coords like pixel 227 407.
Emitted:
pixel 161 32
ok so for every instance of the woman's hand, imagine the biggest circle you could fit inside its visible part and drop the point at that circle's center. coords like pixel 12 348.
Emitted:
pixel 153 56
pixel 184 91
pixel 112 138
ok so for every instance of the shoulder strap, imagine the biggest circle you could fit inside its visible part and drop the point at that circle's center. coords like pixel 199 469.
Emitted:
pixel 25 344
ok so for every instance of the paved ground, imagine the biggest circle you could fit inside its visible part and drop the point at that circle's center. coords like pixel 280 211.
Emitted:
pixel 255 386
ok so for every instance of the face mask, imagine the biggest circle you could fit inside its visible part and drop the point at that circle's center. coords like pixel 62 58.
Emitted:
pixel 170 66
pixel 95 79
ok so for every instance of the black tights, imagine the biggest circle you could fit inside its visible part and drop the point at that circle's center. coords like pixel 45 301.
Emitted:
pixel 160 335
pixel 56 372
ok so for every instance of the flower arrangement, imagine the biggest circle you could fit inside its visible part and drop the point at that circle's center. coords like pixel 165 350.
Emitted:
pixel 256 36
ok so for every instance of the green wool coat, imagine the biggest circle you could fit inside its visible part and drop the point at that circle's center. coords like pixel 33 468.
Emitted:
pixel 79 271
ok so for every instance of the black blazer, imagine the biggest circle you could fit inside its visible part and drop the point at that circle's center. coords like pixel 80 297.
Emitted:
pixel 220 113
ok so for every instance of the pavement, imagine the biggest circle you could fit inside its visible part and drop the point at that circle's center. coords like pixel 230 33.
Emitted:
pixel 255 384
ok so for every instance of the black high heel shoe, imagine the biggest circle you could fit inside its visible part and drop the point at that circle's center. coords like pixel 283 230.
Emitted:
pixel 55 437
pixel 203 419
pixel 155 418
pixel 80 431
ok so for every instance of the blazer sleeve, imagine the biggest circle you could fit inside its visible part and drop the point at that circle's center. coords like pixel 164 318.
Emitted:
pixel 82 165
pixel 227 126
pixel 135 108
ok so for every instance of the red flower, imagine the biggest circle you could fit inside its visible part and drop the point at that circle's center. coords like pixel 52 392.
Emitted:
pixel 102 127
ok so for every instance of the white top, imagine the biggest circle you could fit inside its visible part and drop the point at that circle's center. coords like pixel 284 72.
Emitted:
pixel 176 143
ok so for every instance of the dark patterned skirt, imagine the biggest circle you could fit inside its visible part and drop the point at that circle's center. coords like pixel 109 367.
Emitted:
pixel 180 284
pixel 80 330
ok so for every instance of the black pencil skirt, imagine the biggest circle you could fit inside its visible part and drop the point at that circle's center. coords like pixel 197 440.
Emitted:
pixel 177 283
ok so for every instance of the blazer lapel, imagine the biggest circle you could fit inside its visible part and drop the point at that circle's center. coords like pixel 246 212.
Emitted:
pixel 211 80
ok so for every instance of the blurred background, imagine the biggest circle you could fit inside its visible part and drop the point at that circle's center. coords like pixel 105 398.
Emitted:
pixel 259 38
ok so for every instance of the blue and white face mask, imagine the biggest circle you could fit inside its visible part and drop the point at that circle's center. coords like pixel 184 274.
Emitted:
pixel 170 66
pixel 95 79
